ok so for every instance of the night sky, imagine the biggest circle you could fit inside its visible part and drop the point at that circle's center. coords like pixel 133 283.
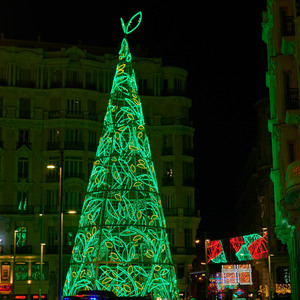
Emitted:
pixel 218 42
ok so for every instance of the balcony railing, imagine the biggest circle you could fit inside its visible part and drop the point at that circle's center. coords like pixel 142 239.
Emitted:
pixel 12 209
pixel 21 250
pixel 74 146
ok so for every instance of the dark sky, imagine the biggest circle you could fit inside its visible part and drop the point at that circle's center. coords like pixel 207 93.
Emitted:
pixel 218 42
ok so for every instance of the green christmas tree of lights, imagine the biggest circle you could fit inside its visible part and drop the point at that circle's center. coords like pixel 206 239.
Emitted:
pixel 121 244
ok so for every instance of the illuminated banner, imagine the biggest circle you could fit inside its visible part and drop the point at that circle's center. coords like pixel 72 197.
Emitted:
pixel 247 247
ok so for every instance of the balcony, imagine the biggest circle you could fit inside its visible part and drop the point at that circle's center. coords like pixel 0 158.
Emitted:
pixel 291 202
pixel 292 182
pixel 74 146
pixel 21 250
pixel 13 209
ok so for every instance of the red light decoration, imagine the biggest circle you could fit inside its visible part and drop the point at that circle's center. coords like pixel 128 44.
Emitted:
pixel 259 248
pixel 215 252
pixel 249 247
pixel 237 243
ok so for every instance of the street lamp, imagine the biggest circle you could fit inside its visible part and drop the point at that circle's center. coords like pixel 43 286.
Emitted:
pixel 14 262
pixel 41 270
pixel 60 225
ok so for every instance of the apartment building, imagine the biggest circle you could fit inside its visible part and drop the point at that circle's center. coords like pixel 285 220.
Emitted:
pixel 53 99
pixel 281 32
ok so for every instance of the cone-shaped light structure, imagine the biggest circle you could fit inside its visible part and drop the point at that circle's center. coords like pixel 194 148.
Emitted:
pixel 122 244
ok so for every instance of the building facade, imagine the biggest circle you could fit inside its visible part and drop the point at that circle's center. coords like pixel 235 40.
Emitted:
pixel 281 33
pixel 52 104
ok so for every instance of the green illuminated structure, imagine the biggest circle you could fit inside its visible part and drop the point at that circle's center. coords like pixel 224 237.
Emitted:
pixel 121 244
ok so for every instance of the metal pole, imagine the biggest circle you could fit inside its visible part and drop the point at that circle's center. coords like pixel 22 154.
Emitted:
pixel 206 267
pixel 14 261
pixel 61 216
pixel 42 244
pixel 41 270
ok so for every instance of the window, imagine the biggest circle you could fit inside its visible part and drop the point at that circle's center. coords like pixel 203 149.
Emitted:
pixel 74 107
pixel 52 201
pixel 1 105
pixel 189 205
pixel 167 144
pixel 187 146
pixel 283 275
pixel 54 107
pixel 92 140
pixel 168 204
pixel 171 236
pixel 188 173
pixel 168 173
pixel 21 237
pixel 23 168
pixel 72 201
pixel 36 271
pixel 73 167
pixel 23 137
pixel 73 139
pixel 21 271
pixel 24 108
pixel 291 149
pixel 188 237
pixel 90 166
pixel 22 201
pixel 52 236
pixel 180 271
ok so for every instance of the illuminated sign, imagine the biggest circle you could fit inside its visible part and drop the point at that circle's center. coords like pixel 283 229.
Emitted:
pixel 233 275
pixel 35 297
pixel 20 297
pixel 5 288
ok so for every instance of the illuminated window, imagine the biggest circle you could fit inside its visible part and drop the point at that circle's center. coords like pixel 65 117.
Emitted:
pixel 21 237
pixel 21 271
pixel 22 199
pixel 168 173
pixel 36 271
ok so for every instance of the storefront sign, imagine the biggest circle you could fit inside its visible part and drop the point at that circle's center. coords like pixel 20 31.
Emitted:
pixel 5 288
pixel 36 297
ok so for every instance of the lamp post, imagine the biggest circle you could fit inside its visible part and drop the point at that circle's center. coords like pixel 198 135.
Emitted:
pixel 14 262
pixel 61 216
pixel 41 269
pixel 270 276
pixel 206 268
